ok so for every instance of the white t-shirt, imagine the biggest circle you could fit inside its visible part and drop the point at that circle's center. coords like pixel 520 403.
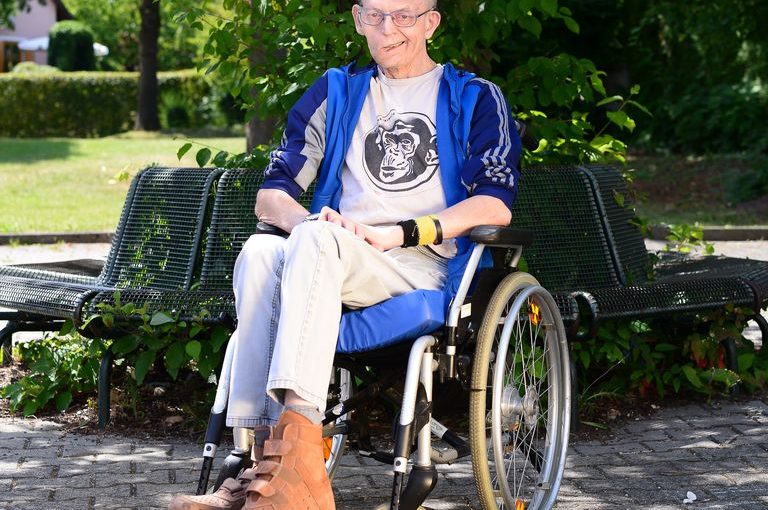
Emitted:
pixel 391 171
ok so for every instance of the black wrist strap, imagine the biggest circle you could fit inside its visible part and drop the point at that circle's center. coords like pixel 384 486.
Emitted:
pixel 410 233
pixel 439 229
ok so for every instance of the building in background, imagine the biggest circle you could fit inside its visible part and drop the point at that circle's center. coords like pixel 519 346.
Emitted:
pixel 31 24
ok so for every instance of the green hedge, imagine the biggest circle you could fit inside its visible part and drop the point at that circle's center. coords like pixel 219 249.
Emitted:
pixel 70 46
pixel 82 104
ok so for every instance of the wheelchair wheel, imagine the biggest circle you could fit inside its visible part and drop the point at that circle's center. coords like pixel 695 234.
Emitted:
pixel 520 399
pixel 333 444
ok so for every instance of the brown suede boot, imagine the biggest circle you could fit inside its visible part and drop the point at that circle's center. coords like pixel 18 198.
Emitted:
pixel 292 475
pixel 231 494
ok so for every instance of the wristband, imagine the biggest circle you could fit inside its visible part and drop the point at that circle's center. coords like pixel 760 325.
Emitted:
pixel 427 230
pixel 438 229
pixel 410 233
pixel 421 231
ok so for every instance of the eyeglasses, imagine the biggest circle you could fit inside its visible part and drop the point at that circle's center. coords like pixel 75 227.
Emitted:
pixel 375 17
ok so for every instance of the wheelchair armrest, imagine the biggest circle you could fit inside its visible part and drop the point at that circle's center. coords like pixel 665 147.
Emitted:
pixel 266 228
pixel 491 235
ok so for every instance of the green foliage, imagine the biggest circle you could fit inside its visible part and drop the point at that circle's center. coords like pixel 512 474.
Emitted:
pixel 34 68
pixel 61 367
pixel 116 24
pixel 256 159
pixel 701 64
pixel 84 104
pixel 268 53
pixel 684 238
pixel 67 365
pixel 656 357
pixel 161 338
pixel 71 46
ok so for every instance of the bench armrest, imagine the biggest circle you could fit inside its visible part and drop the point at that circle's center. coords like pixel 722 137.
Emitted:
pixel 505 237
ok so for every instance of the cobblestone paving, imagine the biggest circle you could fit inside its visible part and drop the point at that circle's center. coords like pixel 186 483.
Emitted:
pixel 719 453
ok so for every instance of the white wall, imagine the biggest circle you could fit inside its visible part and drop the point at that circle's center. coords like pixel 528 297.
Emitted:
pixel 35 23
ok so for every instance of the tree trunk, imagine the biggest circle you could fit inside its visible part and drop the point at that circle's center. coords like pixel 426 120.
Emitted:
pixel 257 130
pixel 146 117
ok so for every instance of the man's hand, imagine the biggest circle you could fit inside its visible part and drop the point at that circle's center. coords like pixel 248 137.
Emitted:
pixel 331 216
pixel 381 238
pixel 384 238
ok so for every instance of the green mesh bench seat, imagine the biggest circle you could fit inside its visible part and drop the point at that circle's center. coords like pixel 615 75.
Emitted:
pixel 157 245
pixel 587 245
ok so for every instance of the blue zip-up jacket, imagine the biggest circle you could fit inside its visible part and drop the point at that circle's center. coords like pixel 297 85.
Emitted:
pixel 477 144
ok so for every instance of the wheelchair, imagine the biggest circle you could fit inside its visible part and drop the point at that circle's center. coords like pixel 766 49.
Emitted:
pixel 502 339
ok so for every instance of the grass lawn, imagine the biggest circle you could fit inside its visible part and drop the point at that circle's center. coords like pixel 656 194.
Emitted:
pixel 70 184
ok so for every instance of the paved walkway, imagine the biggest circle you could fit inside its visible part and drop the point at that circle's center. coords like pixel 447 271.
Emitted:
pixel 718 453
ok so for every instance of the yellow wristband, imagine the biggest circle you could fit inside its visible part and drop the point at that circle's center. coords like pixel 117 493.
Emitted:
pixel 427 230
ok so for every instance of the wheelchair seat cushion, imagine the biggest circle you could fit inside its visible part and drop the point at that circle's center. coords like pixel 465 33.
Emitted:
pixel 405 317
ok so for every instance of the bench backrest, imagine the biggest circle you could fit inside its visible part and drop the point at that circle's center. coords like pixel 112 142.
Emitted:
pixel 572 210
pixel 615 201
pixel 576 220
pixel 157 242
pixel 232 222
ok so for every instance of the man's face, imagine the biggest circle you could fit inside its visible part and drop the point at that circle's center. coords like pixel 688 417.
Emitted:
pixel 392 46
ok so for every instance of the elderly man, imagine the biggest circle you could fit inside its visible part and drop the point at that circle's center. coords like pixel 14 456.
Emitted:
pixel 409 155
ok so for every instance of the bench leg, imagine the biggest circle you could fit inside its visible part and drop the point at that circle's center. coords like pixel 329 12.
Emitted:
pixel 762 323
pixel 6 337
pixel 105 380
pixel 574 382
pixel 731 360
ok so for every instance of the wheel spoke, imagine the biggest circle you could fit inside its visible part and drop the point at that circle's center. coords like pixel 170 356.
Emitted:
pixel 523 438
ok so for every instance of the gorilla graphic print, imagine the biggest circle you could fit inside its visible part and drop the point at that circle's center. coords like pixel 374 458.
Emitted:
pixel 400 151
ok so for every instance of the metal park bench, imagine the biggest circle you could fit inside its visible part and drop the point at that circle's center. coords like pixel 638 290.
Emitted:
pixel 586 246
pixel 156 246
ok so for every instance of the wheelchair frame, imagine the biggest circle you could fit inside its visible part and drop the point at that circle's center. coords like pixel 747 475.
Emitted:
pixel 513 416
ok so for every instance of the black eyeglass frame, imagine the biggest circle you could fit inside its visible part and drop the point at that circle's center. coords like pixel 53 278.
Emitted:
pixel 390 14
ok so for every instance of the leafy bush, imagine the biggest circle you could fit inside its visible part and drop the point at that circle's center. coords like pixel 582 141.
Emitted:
pixel 34 68
pixel 268 53
pixel 162 337
pixel 659 356
pixel 82 104
pixel 174 111
pixel 70 46
pixel 720 118
pixel 67 364
pixel 61 366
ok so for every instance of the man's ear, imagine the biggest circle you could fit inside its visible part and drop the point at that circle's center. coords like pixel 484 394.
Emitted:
pixel 356 18
pixel 433 21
